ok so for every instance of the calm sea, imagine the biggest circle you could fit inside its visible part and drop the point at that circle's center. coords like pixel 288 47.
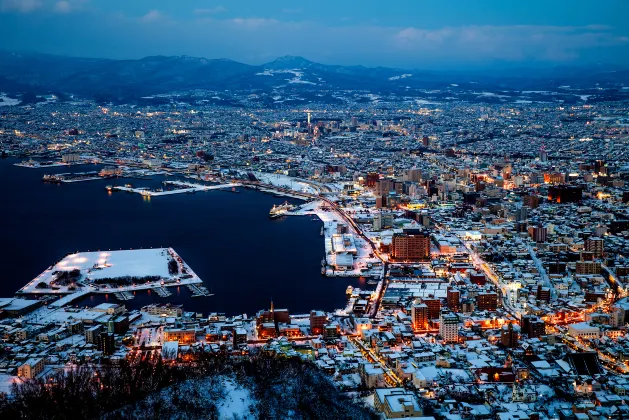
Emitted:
pixel 226 237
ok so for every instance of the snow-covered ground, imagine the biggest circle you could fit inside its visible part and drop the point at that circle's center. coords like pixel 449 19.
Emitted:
pixel 6 101
pixel 401 76
pixel 97 265
pixel 238 402
pixel 7 381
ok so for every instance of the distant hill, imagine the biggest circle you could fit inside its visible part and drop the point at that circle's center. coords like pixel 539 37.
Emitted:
pixel 107 79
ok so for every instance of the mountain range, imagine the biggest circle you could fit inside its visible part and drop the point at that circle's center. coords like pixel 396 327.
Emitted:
pixel 108 79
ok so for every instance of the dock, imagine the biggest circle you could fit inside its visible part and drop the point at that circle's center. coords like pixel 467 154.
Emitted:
pixel 124 295
pixel 162 292
pixel 185 187
pixel 199 291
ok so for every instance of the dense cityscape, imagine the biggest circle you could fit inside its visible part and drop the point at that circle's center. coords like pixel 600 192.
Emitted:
pixel 328 210
pixel 493 237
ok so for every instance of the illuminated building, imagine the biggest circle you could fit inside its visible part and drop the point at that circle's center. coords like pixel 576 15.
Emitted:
pixel 509 336
pixel 487 301
pixel 412 245
pixel 453 299
pixel 184 336
pixel 419 314
pixel 318 320
pixel 434 307
pixel 565 194
pixel 449 326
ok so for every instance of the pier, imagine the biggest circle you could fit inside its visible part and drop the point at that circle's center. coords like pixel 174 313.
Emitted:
pixel 124 295
pixel 162 292
pixel 185 187
pixel 199 291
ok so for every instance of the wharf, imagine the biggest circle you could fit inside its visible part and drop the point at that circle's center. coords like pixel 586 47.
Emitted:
pixel 162 292
pixel 199 291
pixel 124 295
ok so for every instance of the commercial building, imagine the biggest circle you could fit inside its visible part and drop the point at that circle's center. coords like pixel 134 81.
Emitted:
pixel 411 245
pixel 419 314
pixel 565 194
pixel 453 299
pixel 449 326
pixel 594 245
pixel 583 330
pixel 487 301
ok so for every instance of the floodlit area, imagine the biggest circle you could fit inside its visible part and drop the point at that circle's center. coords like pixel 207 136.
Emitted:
pixel 354 260
pixel 106 271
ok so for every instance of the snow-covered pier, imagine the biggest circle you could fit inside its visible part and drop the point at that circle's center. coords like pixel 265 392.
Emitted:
pixel 185 187
pixel 116 272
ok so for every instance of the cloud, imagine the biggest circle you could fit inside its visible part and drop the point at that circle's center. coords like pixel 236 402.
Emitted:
pixel 22 6
pixel 153 16
pixel 210 11
pixel 253 23
pixel 63 6
pixel 509 43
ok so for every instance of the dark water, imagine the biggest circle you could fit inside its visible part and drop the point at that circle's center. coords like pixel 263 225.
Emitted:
pixel 228 240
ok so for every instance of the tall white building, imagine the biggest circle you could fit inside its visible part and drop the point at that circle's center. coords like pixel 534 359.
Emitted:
pixel 449 326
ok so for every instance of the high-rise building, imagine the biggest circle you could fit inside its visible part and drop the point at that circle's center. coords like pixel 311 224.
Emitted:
pixel 318 320
pixel 565 193
pixel 531 201
pixel 372 179
pixel 538 233
pixel 487 301
pixel 554 178
pixel 106 343
pixel 543 293
pixel 449 326
pixel 414 174
pixel 434 307
pixel 509 336
pixel 532 326
pixel 411 245
pixel 453 299
pixel 594 245
pixel 419 314
pixel 588 267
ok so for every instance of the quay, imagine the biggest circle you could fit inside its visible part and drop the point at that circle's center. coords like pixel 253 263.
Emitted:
pixel 124 295
pixel 187 187
pixel 199 291
pixel 162 292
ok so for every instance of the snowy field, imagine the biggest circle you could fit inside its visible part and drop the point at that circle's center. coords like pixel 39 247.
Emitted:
pixel 89 267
